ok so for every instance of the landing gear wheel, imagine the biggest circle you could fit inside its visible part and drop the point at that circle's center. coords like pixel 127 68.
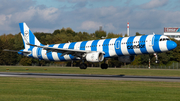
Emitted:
pixel 104 66
pixel 83 66
pixel 156 61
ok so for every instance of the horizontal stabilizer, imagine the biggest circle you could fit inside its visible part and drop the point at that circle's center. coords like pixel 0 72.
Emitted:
pixel 16 51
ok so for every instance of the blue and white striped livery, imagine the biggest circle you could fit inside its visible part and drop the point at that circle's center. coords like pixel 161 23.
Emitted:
pixel 95 50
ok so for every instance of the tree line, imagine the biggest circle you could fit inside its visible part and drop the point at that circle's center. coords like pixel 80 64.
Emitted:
pixel 64 35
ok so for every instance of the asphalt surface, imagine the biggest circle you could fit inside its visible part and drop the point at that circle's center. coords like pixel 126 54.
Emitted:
pixel 85 76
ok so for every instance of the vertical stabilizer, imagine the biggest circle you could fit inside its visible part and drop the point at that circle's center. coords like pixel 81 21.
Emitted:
pixel 28 36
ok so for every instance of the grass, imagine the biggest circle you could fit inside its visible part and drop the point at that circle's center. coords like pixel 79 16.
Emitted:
pixel 109 71
pixel 52 89
pixel 55 89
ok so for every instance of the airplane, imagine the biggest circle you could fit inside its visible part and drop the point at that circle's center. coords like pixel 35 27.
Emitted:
pixel 123 48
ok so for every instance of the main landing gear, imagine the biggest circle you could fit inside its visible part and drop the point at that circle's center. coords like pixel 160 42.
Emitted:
pixel 104 65
pixel 83 66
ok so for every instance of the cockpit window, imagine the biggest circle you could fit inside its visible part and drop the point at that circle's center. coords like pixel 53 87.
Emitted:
pixel 164 39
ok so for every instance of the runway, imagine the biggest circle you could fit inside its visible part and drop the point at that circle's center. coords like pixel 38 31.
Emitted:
pixel 86 76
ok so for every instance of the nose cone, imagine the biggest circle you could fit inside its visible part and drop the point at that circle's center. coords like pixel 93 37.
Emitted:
pixel 171 45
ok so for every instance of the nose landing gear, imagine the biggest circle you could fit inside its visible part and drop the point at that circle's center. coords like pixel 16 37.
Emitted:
pixel 156 56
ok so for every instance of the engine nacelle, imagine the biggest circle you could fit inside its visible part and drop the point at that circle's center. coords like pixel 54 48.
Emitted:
pixel 95 57
pixel 126 59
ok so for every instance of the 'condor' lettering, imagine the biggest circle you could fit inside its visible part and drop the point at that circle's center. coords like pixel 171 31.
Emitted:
pixel 136 46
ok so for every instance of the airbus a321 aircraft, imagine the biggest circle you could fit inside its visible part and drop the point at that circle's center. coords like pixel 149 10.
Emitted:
pixel 123 48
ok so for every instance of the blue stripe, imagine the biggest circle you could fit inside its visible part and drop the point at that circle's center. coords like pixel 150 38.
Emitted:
pixel 106 48
pixel 21 28
pixel 49 54
pixel 143 44
pixel 41 44
pixel 95 42
pixel 130 45
pixel 71 46
pixel 83 44
pixel 39 53
pixel 61 58
pixel 118 51
pixel 31 39
pixel 156 43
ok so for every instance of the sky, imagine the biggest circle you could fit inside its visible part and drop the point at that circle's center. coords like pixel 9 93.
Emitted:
pixel 144 16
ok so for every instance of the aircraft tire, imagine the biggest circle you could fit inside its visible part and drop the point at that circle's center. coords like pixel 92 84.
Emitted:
pixel 83 66
pixel 104 66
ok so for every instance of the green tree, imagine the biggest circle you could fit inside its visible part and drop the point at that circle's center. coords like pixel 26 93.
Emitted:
pixel 56 32
pixel 100 34
pixel 25 61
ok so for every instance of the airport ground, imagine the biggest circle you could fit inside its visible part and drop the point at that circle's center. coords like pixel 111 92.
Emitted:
pixel 55 89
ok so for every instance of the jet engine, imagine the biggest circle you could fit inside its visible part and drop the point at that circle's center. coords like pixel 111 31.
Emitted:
pixel 95 57
pixel 126 59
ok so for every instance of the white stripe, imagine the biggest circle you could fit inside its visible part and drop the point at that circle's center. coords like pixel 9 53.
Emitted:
pixel 34 52
pixel 26 37
pixel 44 54
pixel 55 54
pixel 99 45
pixel 124 46
pixel 163 44
pixel 112 51
pixel 89 43
pixel 77 45
pixel 148 44
pixel 26 54
pixel 37 41
pixel 136 39
pixel 66 46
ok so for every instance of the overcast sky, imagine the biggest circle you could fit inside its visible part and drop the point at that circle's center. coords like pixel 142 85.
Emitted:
pixel 144 16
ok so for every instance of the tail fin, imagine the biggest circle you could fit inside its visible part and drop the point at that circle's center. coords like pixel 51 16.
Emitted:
pixel 27 36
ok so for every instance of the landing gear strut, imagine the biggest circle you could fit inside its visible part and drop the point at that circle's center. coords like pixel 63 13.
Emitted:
pixel 104 65
pixel 156 56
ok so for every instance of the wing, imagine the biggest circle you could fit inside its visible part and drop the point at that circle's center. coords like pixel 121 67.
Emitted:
pixel 73 52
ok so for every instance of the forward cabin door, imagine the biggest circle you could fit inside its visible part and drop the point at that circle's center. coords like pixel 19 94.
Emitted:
pixel 151 41
pixel 117 44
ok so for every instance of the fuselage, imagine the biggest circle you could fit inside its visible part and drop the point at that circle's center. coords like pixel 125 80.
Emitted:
pixel 114 47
